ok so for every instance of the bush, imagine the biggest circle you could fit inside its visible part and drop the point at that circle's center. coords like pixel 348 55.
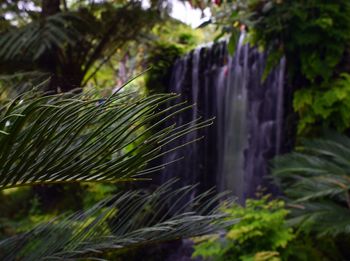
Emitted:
pixel 162 57
pixel 260 234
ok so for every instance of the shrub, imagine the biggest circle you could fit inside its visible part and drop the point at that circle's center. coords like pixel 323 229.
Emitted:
pixel 260 234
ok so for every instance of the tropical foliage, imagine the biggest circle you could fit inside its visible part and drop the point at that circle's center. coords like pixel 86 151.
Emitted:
pixel 261 234
pixel 316 179
pixel 71 43
pixel 162 57
pixel 69 138
pixel 94 147
pixel 264 232
pixel 57 139
pixel 325 107
pixel 302 31
pixel 173 40
pixel 314 38
pixel 128 219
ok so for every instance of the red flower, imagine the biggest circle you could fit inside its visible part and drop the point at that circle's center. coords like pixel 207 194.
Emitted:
pixel 217 2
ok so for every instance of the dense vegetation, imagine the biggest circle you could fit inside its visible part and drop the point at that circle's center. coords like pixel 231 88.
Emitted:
pixel 313 36
pixel 68 153
pixel 68 139
pixel 261 233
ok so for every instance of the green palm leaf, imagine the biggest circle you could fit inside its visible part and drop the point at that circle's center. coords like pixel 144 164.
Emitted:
pixel 316 179
pixel 324 217
pixel 73 138
pixel 69 138
pixel 125 220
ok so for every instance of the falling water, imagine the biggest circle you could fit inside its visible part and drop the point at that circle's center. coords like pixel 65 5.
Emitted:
pixel 249 118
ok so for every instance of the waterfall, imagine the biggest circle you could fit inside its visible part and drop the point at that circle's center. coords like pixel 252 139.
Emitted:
pixel 249 118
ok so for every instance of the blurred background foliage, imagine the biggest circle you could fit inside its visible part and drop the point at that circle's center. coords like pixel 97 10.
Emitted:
pixel 86 43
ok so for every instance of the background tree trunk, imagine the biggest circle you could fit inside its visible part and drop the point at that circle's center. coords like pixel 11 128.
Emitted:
pixel 50 7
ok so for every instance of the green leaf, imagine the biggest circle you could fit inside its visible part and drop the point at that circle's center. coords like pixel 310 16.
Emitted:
pixel 316 180
pixel 68 139
pixel 126 220
pixel 232 43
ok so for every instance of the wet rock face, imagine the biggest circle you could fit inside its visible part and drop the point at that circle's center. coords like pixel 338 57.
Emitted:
pixel 250 114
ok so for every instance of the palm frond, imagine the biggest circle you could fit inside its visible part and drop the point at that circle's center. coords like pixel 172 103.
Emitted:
pixel 41 37
pixel 125 220
pixel 22 82
pixel 324 217
pixel 69 138
pixel 317 180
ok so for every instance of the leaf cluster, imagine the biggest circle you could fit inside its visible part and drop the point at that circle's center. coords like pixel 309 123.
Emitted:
pixel 127 219
pixel 73 44
pixel 162 57
pixel 261 233
pixel 327 107
pixel 53 140
pixel 316 180
pixel 73 138
pixel 171 40
pixel 314 37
